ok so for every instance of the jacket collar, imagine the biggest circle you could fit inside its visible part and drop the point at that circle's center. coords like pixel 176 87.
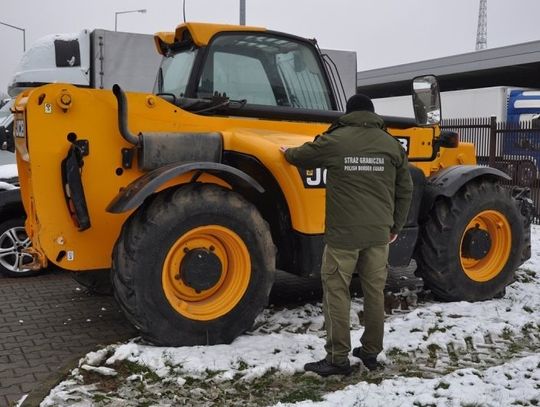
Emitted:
pixel 362 118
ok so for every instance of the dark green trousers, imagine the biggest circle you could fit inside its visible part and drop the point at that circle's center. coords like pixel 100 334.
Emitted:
pixel 338 266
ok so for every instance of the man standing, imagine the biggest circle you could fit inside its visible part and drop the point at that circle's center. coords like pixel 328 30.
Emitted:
pixel 368 193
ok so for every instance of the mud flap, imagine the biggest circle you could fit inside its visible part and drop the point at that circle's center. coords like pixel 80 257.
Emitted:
pixel 72 184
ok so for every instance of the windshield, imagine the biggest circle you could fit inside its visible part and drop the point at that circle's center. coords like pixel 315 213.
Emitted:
pixel 264 69
pixel 174 72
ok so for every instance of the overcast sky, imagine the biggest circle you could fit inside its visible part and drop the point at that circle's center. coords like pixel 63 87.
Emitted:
pixel 383 32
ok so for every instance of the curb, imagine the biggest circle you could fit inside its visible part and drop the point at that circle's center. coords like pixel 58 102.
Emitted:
pixel 37 395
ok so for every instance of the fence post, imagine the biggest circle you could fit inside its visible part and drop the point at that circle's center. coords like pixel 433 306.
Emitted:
pixel 492 140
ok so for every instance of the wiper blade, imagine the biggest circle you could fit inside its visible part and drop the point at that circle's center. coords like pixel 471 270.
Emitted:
pixel 203 105
pixel 218 102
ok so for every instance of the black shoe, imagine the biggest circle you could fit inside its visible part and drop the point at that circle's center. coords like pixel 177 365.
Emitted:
pixel 369 361
pixel 324 368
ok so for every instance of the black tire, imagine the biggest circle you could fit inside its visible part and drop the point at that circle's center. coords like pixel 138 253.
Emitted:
pixel 13 239
pixel 290 289
pixel 97 282
pixel 442 253
pixel 152 235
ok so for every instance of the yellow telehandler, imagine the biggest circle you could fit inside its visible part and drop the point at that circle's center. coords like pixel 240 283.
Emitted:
pixel 185 195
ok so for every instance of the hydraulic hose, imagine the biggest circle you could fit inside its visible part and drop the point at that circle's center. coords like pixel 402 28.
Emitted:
pixel 122 116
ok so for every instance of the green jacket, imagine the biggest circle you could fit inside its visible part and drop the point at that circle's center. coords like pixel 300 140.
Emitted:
pixel 368 187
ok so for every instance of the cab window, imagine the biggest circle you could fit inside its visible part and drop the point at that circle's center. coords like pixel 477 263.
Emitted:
pixel 265 70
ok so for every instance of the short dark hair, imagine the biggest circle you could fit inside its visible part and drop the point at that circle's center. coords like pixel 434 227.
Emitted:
pixel 359 102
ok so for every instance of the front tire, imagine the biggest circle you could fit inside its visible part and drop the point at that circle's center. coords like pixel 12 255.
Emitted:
pixel 472 243
pixel 193 266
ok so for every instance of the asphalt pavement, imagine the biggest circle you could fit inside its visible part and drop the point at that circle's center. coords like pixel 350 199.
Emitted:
pixel 47 322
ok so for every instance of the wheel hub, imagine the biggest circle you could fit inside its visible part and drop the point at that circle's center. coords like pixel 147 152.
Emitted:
pixel 476 244
pixel 200 269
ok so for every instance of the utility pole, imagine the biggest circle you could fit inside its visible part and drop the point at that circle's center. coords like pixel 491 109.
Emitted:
pixel 481 32
pixel 242 12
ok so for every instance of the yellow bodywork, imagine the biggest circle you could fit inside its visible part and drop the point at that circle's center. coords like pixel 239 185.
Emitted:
pixel 47 115
pixel 200 32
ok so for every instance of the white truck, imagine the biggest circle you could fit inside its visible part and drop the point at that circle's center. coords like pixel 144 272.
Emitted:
pixel 509 104
pixel 91 58
pixel 516 152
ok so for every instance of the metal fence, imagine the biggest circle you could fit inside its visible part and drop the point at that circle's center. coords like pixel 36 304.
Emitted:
pixel 514 148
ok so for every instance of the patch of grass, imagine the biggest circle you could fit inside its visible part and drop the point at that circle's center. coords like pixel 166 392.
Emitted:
pixel 476 373
pixel 530 327
pixel 190 380
pixel 507 334
pixel 242 365
pixel 127 368
pixel 434 329
pixel 442 385
pixel 528 309
pixel 432 350
pixel 396 353
pixel 469 342
pixel 99 397
pixel 415 330
pixel 515 348
pixel 301 395
pixel 213 373
pixel 526 276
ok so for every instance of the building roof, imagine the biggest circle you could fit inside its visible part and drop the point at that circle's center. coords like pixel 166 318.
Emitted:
pixel 514 65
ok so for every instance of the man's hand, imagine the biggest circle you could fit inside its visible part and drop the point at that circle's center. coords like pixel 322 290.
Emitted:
pixel 393 237
pixel 283 148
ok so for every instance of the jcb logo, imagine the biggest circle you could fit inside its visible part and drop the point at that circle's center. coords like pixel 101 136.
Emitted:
pixel 315 178
pixel 404 141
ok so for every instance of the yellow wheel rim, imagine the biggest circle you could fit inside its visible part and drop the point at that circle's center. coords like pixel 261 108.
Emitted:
pixel 232 282
pixel 500 233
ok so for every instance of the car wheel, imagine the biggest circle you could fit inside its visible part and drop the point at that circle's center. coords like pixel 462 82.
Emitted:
pixel 13 240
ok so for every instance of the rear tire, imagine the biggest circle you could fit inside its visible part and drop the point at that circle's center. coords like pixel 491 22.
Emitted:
pixel 193 266
pixel 472 243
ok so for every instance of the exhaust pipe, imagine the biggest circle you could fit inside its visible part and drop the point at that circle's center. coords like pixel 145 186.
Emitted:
pixel 122 116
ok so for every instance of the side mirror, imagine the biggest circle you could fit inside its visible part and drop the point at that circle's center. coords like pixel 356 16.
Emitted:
pixel 426 100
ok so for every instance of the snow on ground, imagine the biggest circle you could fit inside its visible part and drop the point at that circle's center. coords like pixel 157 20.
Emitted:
pixel 515 382
pixel 440 354
pixel 8 171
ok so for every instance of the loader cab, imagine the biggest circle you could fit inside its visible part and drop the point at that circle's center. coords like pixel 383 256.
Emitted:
pixel 253 73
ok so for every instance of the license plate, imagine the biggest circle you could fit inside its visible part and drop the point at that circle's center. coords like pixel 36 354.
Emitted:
pixel 19 128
